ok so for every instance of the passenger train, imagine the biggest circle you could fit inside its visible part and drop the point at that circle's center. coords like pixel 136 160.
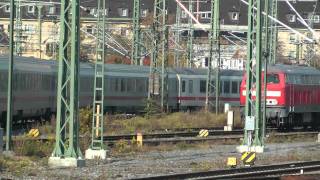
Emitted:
pixel 293 96
pixel 126 87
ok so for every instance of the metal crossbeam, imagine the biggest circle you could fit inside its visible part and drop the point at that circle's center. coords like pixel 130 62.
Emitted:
pixel 98 97
pixel 214 56
pixel 67 124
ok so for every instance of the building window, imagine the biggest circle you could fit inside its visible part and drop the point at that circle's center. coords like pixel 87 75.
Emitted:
pixel 144 13
pixel 93 11
pixel 203 16
pixel 234 16
pixel 183 14
pixel 123 12
pixel 89 29
pixel 292 55
pixel 52 10
pixel 292 37
pixel 7 9
pixel 291 18
pixel 316 18
pixel 206 15
pixel 31 9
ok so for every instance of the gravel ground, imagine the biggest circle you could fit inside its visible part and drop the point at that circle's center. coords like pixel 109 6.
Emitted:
pixel 164 162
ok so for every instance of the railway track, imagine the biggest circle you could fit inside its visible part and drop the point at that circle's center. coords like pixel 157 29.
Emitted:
pixel 172 135
pixel 247 172
pixel 177 137
pixel 217 138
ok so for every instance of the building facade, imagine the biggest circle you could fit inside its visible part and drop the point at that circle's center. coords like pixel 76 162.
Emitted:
pixel 38 33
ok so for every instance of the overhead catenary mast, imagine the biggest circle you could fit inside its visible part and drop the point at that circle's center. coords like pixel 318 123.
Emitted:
pixel 253 117
pixel 97 148
pixel 66 149
pixel 213 82
pixel 136 46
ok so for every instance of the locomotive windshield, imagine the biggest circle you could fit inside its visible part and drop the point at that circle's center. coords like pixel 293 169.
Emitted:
pixel 273 78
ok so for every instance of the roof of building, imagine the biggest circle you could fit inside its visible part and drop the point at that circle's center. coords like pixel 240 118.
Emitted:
pixel 115 10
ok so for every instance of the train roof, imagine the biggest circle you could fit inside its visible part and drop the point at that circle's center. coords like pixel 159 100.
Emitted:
pixel 202 71
pixel 293 69
pixel 36 65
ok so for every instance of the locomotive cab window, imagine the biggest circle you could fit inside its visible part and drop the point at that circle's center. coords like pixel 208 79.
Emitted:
pixel 273 78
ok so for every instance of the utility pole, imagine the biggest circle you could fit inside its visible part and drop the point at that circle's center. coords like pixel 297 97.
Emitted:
pixel 177 37
pixel 40 29
pixel 160 42
pixel 97 148
pixel 10 74
pixel 269 52
pixel 190 36
pixel 273 32
pixel 266 56
pixel 310 50
pixel 252 141
pixel 18 29
pixel 214 55
pixel 136 47
pixel 66 150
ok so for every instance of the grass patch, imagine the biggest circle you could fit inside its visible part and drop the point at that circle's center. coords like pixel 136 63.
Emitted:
pixel 273 138
pixel 16 165
pixel 199 119
pixel 35 148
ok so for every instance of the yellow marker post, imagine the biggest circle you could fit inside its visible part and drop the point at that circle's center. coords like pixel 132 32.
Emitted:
pixel 34 133
pixel 203 133
pixel 97 120
pixel 139 139
pixel 232 162
pixel 248 158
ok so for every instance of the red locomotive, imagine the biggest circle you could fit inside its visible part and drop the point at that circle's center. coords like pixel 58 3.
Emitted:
pixel 293 96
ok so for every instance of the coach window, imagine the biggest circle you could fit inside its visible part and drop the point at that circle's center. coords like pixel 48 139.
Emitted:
pixel 203 86
pixel 273 78
pixel 190 86
pixel 130 85
pixel 183 88
pixel 234 87
pixel 212 87
pixel 122 85
pixel 226 87
pixel 139 84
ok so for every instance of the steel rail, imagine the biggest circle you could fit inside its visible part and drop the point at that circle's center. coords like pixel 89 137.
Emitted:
pixel 256 171
pixel 172 135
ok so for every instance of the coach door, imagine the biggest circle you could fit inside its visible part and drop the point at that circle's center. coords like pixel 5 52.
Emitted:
pixel 291 96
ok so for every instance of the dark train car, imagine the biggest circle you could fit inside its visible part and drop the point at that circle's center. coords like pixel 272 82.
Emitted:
pixel 126 88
